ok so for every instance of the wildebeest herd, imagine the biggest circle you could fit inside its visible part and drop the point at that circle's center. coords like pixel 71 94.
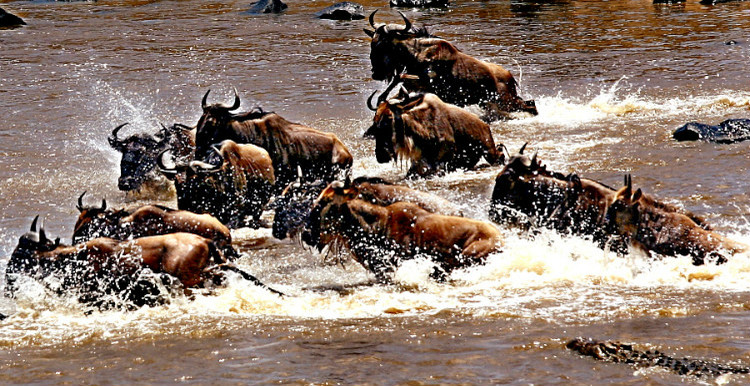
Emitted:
pixel 231 167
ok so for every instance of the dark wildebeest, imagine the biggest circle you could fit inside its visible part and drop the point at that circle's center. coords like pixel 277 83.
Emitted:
pixel 234 187
pixel 381 237
pixel 320 155
pixel 729 131
pixel 104 266
pixel 295 203
pixel 9 20
pixel 435 136
pixel 441 69
pixel 266 6
pixel 626 353
pixel 528 195
pixel 345 10
pixel 148 220
pixel 650 228
pixel 139 152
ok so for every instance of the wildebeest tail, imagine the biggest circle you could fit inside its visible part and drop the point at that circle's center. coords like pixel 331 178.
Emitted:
pixel 247 276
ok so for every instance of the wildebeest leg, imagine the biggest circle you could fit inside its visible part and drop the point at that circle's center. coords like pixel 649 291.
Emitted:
pixel 245 275
pixel 493 112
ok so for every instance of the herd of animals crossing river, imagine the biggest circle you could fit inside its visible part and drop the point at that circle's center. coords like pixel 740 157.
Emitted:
pixel 231 167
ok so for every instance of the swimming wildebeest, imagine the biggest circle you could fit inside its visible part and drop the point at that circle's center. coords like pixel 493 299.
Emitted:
pixel 442 69
pixel 650 228
pixel 528 195
pixel 320 155
pixel 234 187
pixel 295 203
pixel 729 131
pixel 148 220
pixel 435 136
pixel 381 237
pixel 104 266
pixel 139 152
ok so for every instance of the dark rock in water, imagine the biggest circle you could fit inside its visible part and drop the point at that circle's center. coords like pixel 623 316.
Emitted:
pixel 625 353
pixel 266 6
pixel 419 3
pixel 343 11
pixel 729 131
pixel 10 20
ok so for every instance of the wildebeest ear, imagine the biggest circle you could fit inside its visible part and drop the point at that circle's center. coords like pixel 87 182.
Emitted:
pixel 368 32
pixel 637 195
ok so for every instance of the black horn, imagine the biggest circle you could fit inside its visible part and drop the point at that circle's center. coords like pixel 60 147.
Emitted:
pixel 407 22
pixel 204 101
pixel 372 19
pixel 163 169
pixel 236 104
pixel 369 101
pixel 523 148
pixel 80 202
pixel 113 140
pixel 33 223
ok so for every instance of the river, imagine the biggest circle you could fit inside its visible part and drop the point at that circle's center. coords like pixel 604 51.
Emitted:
pixel 611 80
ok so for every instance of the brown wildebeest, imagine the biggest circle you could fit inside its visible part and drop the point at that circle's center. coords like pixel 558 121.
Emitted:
pixel 320 155
pixel 433 135
pixel 442 69
pixel 104 266
pixel 380 237
pixel 148 220
pixel 139 152
pixel 235 190
pixel 295 203
pixel 528 195
pixel 650 228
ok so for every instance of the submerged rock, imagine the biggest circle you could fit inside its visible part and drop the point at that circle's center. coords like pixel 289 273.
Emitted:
pixel 266 6
pixel 345 10
pixel 10 20
pixel 419 3
pixel 729 131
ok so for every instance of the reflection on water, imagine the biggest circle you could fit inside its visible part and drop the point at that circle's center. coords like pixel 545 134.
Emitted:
pixel 611 81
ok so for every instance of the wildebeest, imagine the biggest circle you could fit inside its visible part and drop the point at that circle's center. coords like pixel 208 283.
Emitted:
pixel 295 203
pixel 9 20
pixel 650 228
pixel 729 131
pixel 442 69
pixel 234 187
pixel 104 266
pixel 381 237
pixel 320 155
pixel 148 220
pixel 419 3
pixel 345 10
pixel 528 195
pixel 266 6
pixel 626 353
pixel 139 152
pixel 435 136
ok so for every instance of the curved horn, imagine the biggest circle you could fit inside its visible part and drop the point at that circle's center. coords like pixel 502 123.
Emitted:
pixel 204 100
pixel 33 223
pixel 523 148
pixel 183 127
pixel 104 204
pixel 372 19
pixel 369 101
pixel 80 202
pixel 163 169
pixel 534 162
pixel 406 21
pixel 113 140
pixel 236 103
pixel 384 96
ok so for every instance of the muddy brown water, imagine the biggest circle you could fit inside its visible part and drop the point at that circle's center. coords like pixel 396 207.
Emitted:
pixel 611 79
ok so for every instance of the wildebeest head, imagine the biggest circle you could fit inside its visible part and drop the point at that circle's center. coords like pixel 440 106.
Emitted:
pixel 293 207
pixel 388 55
pixel 95 221
pixel 139 152
pixel 388 128
pixel 23 260
pixel 623 214
pixel 330 217
pixel 213 125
